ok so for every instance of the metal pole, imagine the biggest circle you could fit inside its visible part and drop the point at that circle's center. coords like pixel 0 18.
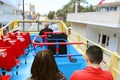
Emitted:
pixel 76 7
pixel 23 15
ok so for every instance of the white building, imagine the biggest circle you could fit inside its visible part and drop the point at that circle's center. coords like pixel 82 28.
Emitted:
pixel 102 27
pixel 9 10
pixel 112 6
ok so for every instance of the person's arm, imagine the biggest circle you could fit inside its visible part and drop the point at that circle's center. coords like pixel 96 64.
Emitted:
pixel 51 30
pixel 40 33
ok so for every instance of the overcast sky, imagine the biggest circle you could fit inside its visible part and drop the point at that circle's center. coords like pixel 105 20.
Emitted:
pixel 44 6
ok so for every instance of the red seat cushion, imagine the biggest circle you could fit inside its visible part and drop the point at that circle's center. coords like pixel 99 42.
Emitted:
pixel 7 77
pixel 7 58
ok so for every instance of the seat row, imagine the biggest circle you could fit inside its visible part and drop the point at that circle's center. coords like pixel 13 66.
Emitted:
pixel 12 46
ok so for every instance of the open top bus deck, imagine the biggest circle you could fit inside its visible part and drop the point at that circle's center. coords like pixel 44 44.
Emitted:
pixel 20 70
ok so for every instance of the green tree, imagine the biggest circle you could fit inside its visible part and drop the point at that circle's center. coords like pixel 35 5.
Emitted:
pixel 72 2
pixel 70 7
pixel 91 8
pixel 0 25
pixel 62 13
pixel 51 14
pixel 88 9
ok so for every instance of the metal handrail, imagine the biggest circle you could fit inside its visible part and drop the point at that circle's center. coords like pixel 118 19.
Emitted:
pixel 113 65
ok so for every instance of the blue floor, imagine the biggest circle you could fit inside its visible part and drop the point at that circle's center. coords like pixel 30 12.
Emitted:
pixel 63 64
pixel 24 69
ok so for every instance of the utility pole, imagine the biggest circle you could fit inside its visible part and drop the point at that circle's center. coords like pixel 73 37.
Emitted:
pixel 76 7
pixel 23 15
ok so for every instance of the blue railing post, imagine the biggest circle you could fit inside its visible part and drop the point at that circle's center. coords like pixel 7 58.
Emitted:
pixel 57 48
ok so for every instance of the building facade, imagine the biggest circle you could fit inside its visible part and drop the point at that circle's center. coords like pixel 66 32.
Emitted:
pixel 102 27
pixel 9 10
pixel 112 6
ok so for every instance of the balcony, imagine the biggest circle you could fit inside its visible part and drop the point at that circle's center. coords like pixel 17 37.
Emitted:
pixel 108 19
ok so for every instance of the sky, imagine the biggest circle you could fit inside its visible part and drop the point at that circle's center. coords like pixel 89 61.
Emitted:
pixel 44 6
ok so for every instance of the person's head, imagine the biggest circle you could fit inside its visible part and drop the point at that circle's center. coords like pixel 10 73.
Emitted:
pixel 94 54
pixel 44 66
pixel 46 25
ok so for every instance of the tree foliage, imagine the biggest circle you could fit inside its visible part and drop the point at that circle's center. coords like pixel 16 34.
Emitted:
pixel 70 8
pixel 51 14
pixel 88 9
pixel 0 25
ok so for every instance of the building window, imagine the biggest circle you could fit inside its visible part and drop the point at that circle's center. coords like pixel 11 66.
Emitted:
pixel 107 9
pixel 103 39
pixel 99 38
pixel 108 41
pixel 113 8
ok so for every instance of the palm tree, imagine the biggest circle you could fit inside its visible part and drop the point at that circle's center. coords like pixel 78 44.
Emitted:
pixel 67 8
pixel 62 13
pixel 72 2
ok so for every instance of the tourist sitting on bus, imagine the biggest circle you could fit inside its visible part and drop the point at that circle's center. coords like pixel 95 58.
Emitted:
pixel 44 67
pixel 46 29
pixel 93 71
pixel 55 27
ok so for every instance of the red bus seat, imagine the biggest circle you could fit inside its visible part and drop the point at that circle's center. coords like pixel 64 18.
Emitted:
pixel 6 77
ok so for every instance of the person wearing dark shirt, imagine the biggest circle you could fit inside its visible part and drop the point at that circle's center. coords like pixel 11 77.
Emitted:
pixel 93 71
pixel 46 29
